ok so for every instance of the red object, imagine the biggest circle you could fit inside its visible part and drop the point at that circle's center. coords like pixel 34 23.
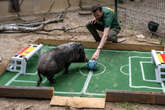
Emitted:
pixel 163 57
pixel 23 50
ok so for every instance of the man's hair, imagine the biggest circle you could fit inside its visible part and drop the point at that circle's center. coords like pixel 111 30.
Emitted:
pixel 96 7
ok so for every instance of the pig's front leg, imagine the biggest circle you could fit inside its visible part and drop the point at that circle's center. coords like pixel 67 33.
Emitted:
pixel 50 78
pixel 67 67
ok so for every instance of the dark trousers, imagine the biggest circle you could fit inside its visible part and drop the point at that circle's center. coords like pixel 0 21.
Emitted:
pixel 93 30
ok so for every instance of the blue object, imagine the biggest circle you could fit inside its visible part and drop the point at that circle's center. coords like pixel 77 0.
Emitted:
pixel 92 64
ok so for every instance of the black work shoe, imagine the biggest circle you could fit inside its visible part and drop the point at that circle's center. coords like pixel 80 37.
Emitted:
pixel 114 40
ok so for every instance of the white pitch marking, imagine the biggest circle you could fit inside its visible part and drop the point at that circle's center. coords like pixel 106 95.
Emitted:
pixel 139 57
pixel 163 87
pixel 130 75
pixel 102 71
pixel 10 81
pixel 93 74
pixel 18 74
pixel 87 82
pixel 83 91
pixel 29 81
pixel 60 92
pixel 32 74
pixel 148 87
pixel 22 81
pixel 44 80
pixel 142 70
pixel 35 73
pixel 121 70
pixel 96 94
pixel 116 51
pixel 78 93
pixel 130 80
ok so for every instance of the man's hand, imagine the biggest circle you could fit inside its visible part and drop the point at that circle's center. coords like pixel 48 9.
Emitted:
pixel 93 21
pixel 101 44
pixel 96 55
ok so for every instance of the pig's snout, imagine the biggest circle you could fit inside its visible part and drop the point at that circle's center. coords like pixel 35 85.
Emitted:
pixel 86 59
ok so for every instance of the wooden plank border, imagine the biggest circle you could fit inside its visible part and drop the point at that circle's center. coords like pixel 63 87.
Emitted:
pixel 26 92
pixel 108 45
pixel 135 97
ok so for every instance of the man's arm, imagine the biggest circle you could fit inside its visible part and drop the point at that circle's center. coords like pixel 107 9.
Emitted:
pixel 101 44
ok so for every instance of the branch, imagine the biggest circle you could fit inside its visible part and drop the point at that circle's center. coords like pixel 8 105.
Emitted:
pixel 54 20
pixel 21 3
pixel 50 30
pixel 30 27
pixel 74 28
pixel 51 6
pixel 20 28
pixel 62 29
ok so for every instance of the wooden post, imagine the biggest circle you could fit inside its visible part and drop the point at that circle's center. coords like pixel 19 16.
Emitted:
pixel 116 6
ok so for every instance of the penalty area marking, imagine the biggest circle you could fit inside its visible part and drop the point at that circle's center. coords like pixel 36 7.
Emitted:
pixel 162 84
pixel 22 81
pixel 11 80
pixel 142 70
pixel 130 75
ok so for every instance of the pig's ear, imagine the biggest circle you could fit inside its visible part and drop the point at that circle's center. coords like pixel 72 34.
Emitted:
pixel 81 50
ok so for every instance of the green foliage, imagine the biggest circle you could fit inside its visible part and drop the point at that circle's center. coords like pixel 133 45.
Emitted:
pixel 121 23
pixel 132 27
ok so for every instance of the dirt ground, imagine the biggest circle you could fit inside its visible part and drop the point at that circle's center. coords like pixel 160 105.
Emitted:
pixel 10 43
pixel 25 104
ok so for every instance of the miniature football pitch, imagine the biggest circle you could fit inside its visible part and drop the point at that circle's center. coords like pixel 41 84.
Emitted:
pixel 117 70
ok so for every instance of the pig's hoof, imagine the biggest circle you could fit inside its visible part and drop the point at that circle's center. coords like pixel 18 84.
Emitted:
pixel 66 72
pixel 53 81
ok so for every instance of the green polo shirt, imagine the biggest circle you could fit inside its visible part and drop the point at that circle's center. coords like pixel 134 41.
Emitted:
pixel 109 18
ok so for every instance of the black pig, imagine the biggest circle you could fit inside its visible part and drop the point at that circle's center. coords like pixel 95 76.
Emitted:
pixel 56 59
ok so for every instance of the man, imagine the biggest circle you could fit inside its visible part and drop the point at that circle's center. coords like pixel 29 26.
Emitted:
pixel 104 20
